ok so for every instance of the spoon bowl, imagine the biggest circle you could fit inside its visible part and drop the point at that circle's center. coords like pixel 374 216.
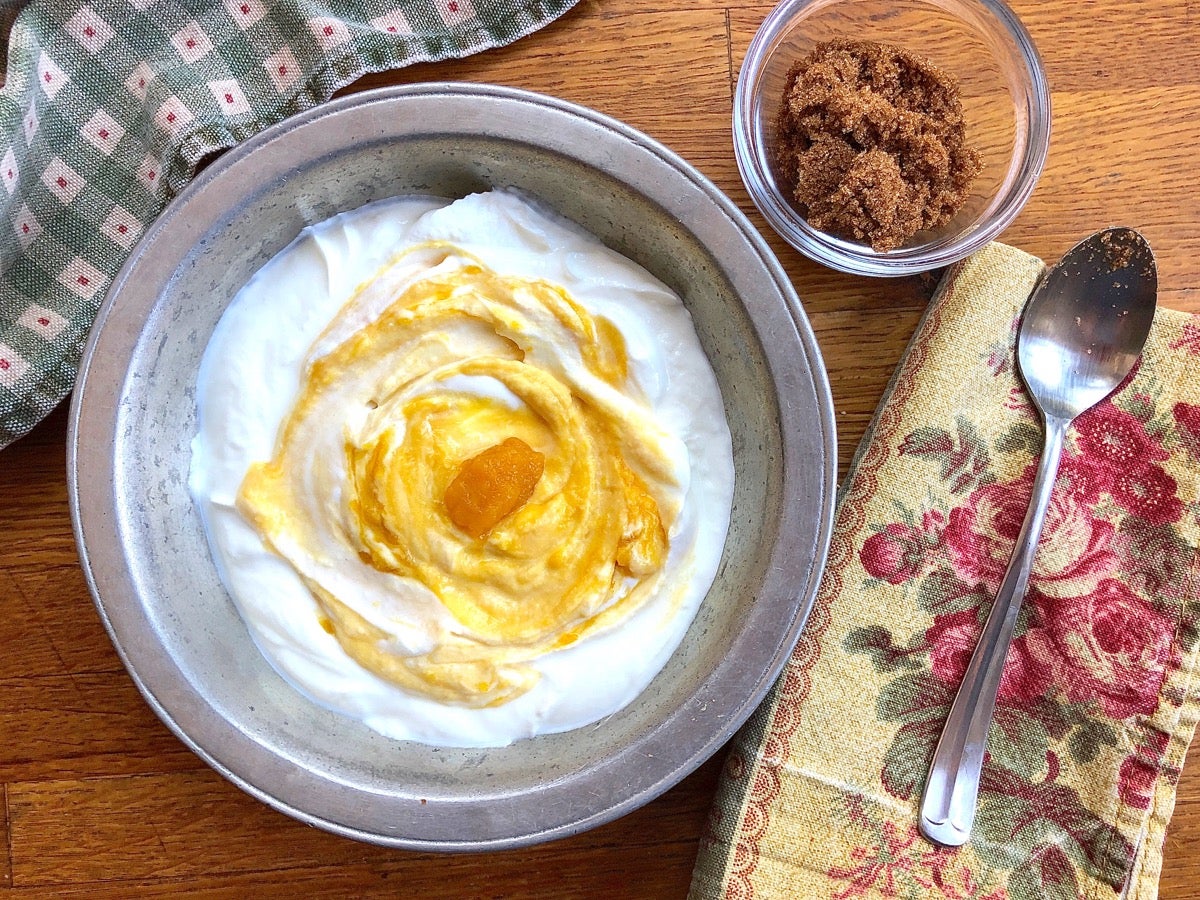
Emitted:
pixel 1084 325
pixel 1082 331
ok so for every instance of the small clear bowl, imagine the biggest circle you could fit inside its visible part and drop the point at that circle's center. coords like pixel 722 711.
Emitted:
pixel 1006 102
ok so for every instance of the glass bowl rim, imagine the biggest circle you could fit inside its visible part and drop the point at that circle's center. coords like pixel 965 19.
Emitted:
pixel 855 258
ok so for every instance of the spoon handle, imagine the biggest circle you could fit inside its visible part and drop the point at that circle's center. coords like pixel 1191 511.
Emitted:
pixel 948 806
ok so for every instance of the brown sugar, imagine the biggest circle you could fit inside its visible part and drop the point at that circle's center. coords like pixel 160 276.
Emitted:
pixel 1118 249
pixel 872 143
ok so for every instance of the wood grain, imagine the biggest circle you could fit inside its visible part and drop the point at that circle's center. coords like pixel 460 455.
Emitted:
pixel 101 800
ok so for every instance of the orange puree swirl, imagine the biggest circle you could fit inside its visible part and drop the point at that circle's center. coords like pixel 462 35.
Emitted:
pixel 481 449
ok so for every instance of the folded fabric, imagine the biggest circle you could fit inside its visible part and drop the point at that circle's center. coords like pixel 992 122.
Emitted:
pixel 110 106
pixel 1098 703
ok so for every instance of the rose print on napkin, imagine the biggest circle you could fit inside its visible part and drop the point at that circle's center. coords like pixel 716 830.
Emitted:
pixel 1101 692
pixel 1099 631
pixel 898 862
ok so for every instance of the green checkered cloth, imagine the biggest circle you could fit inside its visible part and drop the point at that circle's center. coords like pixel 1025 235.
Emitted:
pixel 109 107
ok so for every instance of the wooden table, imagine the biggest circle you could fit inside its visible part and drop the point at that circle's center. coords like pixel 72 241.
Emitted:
pixel 100 799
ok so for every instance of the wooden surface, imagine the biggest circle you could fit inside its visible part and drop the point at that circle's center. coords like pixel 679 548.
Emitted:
pixel 99 799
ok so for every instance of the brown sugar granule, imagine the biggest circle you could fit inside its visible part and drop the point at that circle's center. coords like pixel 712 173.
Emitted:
pixel 872 143
pixel 1118 249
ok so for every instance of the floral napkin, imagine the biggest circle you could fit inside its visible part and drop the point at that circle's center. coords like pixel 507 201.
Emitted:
pixel 109 107
pixel 1098 703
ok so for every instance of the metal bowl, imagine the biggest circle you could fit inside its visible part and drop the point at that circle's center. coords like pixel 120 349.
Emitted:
pixel 143 546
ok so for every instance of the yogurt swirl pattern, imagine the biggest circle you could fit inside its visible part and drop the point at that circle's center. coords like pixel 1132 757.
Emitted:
pixel 473 482
pixel 387 419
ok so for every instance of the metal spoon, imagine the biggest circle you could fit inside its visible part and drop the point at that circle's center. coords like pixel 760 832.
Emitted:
pixel 1081 333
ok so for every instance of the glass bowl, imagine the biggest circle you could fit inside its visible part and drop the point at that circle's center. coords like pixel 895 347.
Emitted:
pixel 1005 97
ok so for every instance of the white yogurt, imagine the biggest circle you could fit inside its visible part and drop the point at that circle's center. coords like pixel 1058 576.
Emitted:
pixel 250 377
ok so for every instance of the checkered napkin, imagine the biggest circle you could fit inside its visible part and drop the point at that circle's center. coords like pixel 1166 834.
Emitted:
pixel 1098 702
pixel 109 107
